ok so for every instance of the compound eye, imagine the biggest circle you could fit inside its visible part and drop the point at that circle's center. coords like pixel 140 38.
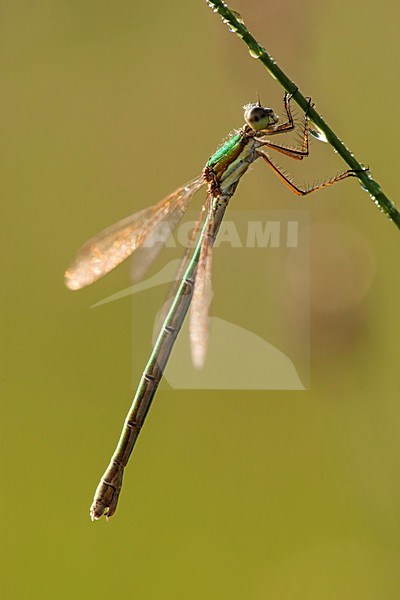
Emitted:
pixel 257 114
pixel 258 117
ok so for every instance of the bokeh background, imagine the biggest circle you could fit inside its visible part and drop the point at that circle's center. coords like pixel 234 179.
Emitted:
pixel 108 106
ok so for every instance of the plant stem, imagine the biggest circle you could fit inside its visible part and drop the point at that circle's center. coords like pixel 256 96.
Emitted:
pixel 235 24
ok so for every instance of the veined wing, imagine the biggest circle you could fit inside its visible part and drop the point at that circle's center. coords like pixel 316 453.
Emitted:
pixel 147 253
pixel 198 322
pixel 110 247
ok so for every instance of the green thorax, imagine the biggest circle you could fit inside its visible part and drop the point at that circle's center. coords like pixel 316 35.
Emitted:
pixel 227 152
pixel 231 161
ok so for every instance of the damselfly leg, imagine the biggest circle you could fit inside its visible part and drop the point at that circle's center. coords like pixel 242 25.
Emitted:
pixel 296 153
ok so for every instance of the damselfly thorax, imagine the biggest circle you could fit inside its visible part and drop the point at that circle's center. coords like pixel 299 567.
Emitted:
pixel 230 162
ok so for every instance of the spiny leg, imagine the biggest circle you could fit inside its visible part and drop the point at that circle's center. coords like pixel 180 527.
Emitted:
pixel 298 190
pixel 297 153
pixel 289 124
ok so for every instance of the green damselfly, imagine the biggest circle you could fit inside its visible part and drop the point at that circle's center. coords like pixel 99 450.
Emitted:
pixel 105 251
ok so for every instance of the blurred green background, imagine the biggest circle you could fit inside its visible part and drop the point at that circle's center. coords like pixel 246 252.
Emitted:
pixel 108 106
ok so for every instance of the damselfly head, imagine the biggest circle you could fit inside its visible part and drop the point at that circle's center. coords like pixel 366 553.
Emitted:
pixel 257 117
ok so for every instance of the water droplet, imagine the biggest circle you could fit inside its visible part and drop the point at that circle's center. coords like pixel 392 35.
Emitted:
pixel 238 16
pixel 376 202
pixel 318 134
pixel 254 53
pixel 232 28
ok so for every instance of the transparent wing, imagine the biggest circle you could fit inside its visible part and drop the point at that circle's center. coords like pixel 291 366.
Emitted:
pixel 198 321
pixel 110 247
pixel 146 254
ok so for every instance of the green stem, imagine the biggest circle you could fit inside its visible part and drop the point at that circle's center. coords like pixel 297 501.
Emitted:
pixel 236 25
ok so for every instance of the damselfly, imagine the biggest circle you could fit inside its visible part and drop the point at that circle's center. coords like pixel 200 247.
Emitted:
pixel 109 248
